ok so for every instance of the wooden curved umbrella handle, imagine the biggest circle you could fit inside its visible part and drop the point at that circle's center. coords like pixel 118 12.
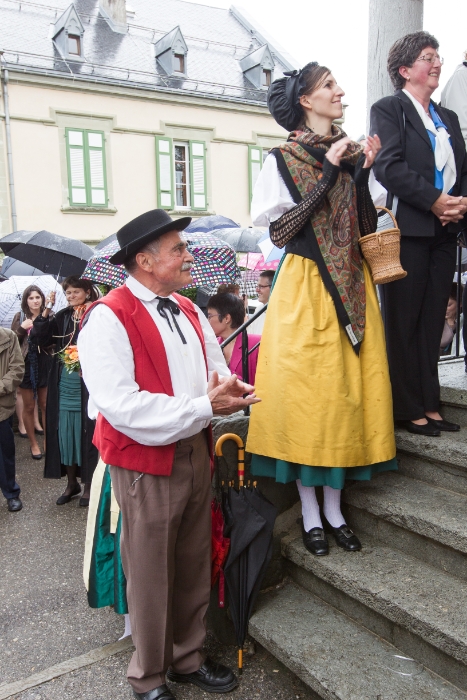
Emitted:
pixel 241 453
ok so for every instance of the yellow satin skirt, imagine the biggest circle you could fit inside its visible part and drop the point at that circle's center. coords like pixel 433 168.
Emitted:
pixel 322 405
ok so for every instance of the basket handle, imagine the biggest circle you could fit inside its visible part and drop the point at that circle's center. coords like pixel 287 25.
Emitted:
pixel 390 214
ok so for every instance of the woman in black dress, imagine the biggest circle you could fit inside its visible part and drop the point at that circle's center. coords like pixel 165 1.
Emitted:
pixel 69 430
pixel 37 363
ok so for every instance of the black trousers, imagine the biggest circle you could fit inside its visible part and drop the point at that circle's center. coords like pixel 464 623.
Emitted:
pixel 8 485
pixel 414 311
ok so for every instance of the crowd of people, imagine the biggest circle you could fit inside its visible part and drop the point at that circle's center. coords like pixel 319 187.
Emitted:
pixel 328 375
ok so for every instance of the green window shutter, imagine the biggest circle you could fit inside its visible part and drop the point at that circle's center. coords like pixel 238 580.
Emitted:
pixel 95 162
pixel 199 198
pixel 255 163
pixel 76 166
pixel 164 165
pixel 87 184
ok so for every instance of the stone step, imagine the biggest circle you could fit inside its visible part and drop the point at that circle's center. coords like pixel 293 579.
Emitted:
pixel 453 381
pixel 441 461
pixel 335 656
pixel 417 518
pixel 418 608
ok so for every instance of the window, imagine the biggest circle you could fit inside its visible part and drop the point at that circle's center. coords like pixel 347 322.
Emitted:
pixel 86 168
pixel 181 174
pixel 182 178
pixel 74 45
pixel 266 78
pixel 256 158
pixel 179 63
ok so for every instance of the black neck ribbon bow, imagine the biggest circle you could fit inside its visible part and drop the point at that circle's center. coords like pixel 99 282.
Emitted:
pixel 162 306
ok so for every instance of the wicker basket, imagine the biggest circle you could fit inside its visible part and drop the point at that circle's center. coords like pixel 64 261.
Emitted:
pixel 382 252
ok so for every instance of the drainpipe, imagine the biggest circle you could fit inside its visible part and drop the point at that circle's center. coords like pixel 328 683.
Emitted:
pixel 6 104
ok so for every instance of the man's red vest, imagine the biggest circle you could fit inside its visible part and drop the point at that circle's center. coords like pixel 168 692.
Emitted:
pixel 151 374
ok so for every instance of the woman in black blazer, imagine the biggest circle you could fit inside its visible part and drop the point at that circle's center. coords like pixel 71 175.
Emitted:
pixel 423 165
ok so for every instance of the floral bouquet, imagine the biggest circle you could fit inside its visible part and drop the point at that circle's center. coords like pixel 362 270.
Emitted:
pixel 70 358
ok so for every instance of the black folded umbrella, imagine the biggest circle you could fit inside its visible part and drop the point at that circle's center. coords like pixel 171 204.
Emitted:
pixel 49 252
pixel 249 523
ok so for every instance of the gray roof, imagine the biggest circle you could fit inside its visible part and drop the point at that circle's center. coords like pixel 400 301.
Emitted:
pixel 217 39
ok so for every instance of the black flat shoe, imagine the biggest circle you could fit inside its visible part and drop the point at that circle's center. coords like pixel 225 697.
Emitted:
pixel 84 502
pixel 61 500
pixel 22 435
pixel 211 677
pixel 444 425
pixel 39 456
pixel 14 504
pixel 38 432
pixel 315 541
pixel 428 430
pixel 160 693
pixel 345 538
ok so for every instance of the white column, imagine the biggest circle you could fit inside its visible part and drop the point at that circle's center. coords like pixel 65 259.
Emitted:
pixel 389 21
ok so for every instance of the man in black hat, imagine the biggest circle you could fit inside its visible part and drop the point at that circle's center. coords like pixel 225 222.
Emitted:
pixel 156 376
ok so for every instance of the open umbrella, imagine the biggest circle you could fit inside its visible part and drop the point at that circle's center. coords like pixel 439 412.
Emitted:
pixel 49 252
pixel 11 292
pixel 243 240
pixel 11 267
pixel 210 223
pixel 249 523
pixel 215 263
pixel 105 241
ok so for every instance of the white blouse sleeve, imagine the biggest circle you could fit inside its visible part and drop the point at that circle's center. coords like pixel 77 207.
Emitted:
pixel 271 198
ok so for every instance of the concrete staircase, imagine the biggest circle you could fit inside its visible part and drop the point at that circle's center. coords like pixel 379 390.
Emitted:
pixel 389 622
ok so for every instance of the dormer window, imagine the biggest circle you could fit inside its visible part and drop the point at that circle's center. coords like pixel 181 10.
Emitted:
pixel 179 63
pixel 258 67
pixel 266 78
pixel 74 45
pixel 68 35
pixel 171 52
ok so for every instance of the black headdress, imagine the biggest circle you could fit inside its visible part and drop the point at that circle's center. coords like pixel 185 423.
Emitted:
pixel 284 97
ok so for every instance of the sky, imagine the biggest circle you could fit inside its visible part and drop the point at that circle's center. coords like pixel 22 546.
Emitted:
pixel 337 36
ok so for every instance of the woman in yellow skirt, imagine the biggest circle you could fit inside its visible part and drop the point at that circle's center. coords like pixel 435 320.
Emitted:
pixel 326 410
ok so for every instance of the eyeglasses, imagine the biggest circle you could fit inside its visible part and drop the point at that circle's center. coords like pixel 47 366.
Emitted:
pixel 214 316
pixel 431 58
pixel 262 286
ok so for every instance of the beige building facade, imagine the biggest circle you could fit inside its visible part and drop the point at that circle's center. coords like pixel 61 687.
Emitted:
pixel 89 155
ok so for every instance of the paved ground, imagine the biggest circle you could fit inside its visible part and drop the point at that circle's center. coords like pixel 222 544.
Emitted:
pixel 45 619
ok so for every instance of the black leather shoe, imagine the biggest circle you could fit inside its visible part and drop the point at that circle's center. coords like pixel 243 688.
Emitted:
pixel 315 541
pixel 39 456
pixel 61 500
pixel 14 504
pixel 84 502
pixel 345 538
pixel 211 677
pixel 427 429
pixel 160 693
pixel 444 425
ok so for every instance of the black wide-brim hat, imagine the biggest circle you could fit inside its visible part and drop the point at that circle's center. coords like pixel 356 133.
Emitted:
pixel 145 228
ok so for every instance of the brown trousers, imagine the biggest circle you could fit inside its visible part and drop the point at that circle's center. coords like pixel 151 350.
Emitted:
pixel 166 555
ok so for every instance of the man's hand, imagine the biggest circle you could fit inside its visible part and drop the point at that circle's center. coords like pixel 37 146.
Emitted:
pixel 226 395
pixel 449 209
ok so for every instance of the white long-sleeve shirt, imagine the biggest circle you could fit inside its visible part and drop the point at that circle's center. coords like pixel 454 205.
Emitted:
pixel 108 368
pixel 454 96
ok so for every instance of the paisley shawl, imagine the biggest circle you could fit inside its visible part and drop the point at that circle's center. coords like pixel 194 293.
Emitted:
pixel 335 225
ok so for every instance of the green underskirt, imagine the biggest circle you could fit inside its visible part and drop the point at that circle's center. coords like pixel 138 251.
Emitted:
pixel 69 418
pixel 335 477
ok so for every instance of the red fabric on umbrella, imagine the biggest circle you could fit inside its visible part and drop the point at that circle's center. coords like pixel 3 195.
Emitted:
pixel 220 544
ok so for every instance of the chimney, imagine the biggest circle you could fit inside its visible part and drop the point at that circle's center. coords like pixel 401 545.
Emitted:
pixel 114 12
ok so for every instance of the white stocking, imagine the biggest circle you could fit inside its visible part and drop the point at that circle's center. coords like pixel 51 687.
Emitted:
pixel 332 506
pixel 310 507
pixel 127 631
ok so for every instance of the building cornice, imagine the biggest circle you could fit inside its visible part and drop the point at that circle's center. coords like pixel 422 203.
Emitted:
pixel 19 77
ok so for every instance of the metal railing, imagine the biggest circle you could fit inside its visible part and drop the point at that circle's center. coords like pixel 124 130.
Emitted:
pixel 245 351
pixel 457 337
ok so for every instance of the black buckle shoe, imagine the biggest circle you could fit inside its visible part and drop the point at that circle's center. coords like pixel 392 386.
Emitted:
pixel 426 429
pixel 160 693
pixel 346 539
pixel 315 541
pixel 211 677
pixel 444 425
